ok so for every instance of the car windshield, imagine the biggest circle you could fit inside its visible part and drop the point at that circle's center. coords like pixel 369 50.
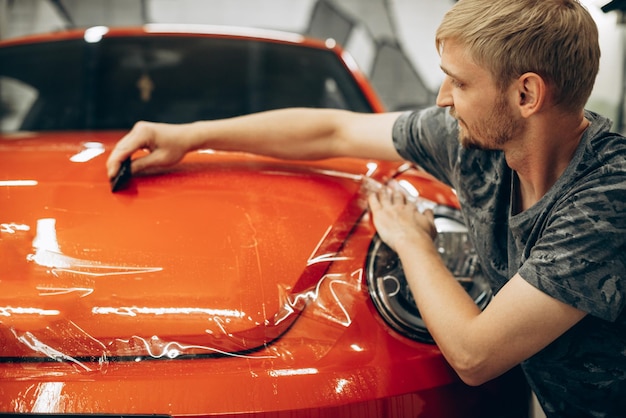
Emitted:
pixel 75 85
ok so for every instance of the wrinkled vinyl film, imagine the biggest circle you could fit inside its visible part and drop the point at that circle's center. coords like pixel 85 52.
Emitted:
pixel 53 331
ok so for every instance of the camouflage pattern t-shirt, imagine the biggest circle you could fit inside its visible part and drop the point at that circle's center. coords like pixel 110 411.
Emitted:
pixel 571 245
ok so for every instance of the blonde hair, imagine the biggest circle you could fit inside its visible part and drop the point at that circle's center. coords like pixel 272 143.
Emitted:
pixel 557 39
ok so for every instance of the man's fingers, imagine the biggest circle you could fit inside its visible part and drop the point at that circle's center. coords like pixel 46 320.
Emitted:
pixel 429 214
pixel 121 152
pixel 139 137
pixel 114 161
pixel 387 196
pixel 373 201
pixel 154 158
pixel 397 197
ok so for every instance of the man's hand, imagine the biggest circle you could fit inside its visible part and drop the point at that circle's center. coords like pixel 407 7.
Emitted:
pixel 398 221
pixel 165 145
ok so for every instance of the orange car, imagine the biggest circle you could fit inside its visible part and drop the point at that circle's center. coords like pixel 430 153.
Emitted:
pixel 228 285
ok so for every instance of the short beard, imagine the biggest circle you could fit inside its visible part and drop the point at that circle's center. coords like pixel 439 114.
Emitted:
pixel 493 132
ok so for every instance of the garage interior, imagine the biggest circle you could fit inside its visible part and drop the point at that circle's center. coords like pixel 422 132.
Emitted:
pixel 392 41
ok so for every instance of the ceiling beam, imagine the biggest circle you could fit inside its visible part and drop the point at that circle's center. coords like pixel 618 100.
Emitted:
pixel 63 12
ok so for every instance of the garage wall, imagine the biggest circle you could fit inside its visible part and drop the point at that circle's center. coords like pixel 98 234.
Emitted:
pixel 392 40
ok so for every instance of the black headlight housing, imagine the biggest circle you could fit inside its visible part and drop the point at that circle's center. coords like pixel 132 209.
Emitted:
pixel 389 289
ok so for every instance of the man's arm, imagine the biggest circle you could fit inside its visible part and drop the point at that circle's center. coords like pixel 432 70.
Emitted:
pixel 287 133
pixel 519 321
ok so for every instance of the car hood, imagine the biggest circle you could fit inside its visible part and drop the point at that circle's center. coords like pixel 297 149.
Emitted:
pixel 209 256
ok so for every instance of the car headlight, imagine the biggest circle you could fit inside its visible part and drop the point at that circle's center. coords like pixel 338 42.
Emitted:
pixel 389 289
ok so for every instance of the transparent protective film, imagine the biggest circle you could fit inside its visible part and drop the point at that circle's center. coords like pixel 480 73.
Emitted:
pixel 76 315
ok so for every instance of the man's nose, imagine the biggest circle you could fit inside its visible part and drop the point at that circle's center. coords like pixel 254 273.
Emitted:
pixel 444 97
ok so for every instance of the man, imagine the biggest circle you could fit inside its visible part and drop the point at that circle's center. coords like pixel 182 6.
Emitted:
pixel 541 182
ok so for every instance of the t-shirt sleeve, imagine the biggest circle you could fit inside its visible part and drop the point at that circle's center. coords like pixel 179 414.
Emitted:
pixel 580 259
pixel 428 138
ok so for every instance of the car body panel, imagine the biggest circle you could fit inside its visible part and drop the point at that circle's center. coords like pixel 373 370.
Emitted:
pixel 116 305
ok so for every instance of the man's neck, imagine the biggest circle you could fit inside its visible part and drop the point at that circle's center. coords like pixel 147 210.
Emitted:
pixel 542 154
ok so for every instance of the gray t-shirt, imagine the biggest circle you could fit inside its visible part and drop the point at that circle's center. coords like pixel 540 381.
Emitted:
pixel 571 245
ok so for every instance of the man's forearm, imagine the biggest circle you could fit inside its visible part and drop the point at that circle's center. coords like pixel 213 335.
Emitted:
pixel 286 133
pixel 301 134
pixel 445 306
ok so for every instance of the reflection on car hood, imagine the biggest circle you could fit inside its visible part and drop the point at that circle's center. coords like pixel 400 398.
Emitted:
pixel 208 253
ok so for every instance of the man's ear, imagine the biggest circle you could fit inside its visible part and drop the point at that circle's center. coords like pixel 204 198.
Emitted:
pixel 530 90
